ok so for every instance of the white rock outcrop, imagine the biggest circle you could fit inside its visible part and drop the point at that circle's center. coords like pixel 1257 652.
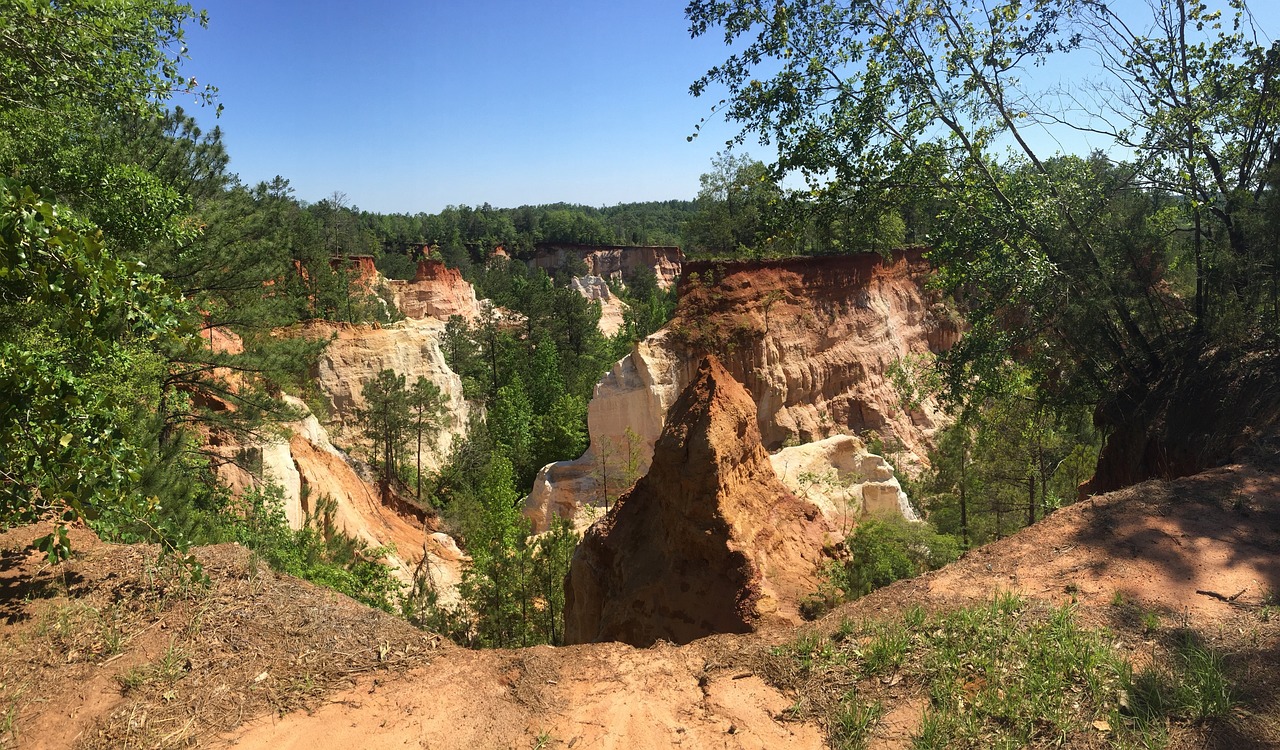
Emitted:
pixel 843 479
pixel 625 417
pixel 595 289
pixel 356 354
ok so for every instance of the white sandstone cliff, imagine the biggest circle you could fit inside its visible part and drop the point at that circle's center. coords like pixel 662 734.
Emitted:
pixel 595 289
pixel 355 356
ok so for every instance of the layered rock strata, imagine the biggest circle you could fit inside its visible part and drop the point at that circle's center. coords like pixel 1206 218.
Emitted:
pixel 357 353
pixel 814 341
pixel 303 461
pixel 709 541
pixel 436 291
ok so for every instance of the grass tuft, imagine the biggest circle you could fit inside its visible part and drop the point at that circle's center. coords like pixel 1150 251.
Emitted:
pixel 852 722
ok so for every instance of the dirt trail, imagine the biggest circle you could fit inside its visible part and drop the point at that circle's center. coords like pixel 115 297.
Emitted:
pixel 601 696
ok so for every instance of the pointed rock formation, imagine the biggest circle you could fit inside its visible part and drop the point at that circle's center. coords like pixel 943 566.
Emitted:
pixel 709 541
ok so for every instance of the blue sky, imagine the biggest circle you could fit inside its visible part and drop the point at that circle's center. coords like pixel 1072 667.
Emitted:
pixel 412 106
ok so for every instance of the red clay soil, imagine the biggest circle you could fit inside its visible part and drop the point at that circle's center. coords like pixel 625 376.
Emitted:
pixel 812 339
pixel 436 291
pixel 110 650
pixel 709 541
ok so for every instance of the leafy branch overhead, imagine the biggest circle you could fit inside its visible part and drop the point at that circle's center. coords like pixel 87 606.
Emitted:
pixel 1095 272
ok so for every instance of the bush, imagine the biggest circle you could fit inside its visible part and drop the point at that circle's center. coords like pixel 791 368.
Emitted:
pixel 877 553
pixel 319 552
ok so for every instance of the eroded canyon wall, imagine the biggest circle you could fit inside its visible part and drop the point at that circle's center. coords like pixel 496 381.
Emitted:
pixel 307 467
pixel 615 261
pixel 357 353
pixel 813 340
pixel 612 309
pixel 436 291
pixel 305 463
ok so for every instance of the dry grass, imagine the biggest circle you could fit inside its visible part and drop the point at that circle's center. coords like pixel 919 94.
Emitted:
pixel 165 660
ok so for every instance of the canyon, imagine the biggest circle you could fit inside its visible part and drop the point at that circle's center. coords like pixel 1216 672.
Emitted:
pixel 302 458
pixel 817 397
pixel 813 340
pixel 730 455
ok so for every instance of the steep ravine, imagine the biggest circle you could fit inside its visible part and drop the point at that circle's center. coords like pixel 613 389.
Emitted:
pixel 303 460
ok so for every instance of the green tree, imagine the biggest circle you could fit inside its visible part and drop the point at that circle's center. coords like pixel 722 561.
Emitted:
pixel 733 207
pixel 562 432
pixel 78 361
pixel 385 419
pixel 485 515
pixel 427 412
pixel 511 423
pixel 912 98
pixel 1006 462
pixel 94 54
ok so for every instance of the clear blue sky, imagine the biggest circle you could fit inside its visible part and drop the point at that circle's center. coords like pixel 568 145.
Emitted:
pixel 412 106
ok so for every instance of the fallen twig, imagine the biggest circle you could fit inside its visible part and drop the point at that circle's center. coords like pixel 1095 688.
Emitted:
pixel 1222 597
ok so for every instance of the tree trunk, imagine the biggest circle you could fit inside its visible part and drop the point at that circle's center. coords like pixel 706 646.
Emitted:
pixel 1031 498
pixel 964 504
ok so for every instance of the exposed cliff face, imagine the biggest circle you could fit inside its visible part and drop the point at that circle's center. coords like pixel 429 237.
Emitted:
pixel 812 339
pixel 436 291
pixel 364 274
pixel 357 353
pixel 305 464
pixel 709 541
pixel 596 289
pixel 307 467
pixel 615 262
pixel 843 479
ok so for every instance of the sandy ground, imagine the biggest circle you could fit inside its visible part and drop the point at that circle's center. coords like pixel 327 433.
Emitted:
pixel 602 696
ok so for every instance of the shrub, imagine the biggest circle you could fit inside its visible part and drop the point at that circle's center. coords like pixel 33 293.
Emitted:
pixel 877 553
pixel 883 551
pixel 319 552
